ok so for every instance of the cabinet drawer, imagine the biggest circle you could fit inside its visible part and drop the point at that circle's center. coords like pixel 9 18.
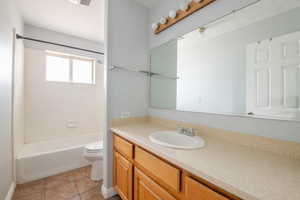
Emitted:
pixel 146 189
pixel 159 169
pixel 123 147
pixel 196 190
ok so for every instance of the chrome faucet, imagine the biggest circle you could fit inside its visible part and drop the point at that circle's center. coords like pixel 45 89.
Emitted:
pixel 187 131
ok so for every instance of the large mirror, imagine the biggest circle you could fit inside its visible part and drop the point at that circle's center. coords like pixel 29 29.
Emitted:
pixel 246 63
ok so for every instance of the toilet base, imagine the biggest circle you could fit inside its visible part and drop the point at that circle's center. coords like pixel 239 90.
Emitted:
pixel 96 172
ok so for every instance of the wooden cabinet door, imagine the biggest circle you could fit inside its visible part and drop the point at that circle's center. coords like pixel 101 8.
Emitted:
pixel 196 190
pixel 146 189
pixel 123 172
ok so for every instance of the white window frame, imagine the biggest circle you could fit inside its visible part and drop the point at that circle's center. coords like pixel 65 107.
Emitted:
pixel 71 58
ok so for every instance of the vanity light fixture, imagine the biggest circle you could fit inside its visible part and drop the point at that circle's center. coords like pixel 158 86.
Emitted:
pixel 187 8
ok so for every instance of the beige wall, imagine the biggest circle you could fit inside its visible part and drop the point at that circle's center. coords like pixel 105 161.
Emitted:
pixel 18 128
pixel 9 19
pixel 126 92
pixel 18 99
pixel 50 106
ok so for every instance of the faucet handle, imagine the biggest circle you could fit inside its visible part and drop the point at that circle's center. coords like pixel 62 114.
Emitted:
pixel 192 131
pixel 181 129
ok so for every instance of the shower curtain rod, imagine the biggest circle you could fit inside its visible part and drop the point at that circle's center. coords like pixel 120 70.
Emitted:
pixel 57 44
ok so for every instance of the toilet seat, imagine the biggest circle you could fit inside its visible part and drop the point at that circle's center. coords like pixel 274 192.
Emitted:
pixel 94 147
pixel 94 150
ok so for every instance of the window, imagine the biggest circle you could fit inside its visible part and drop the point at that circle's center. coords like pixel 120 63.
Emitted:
pixel 67 68
pixel 82 71
pixel 58 69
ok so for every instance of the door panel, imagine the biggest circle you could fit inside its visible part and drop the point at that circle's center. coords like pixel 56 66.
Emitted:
pixel 262 94
pixel 291 86
pixel 123 171
pixel 262 54
pixel 290 49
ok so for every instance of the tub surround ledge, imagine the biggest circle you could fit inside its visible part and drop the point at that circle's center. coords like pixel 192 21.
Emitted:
pixel 248 171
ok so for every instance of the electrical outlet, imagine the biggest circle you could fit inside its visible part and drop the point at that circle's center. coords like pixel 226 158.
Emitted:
pixel 72 124
pixel 125 114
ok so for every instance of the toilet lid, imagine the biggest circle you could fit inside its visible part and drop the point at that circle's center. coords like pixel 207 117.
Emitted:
pixel 97 146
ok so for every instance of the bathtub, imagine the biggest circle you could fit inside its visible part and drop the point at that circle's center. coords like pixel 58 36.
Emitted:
pixel 42 159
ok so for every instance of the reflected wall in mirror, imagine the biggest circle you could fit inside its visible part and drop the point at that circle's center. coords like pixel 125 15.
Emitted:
pixel 245 63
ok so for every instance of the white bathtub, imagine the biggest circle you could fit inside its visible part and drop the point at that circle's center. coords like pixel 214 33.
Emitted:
pixel 42 159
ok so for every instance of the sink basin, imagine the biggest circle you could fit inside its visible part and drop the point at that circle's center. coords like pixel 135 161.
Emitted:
pixel 176 140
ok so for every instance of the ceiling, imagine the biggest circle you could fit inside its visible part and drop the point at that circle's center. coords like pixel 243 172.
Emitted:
pixel 65 17
pixel 148 3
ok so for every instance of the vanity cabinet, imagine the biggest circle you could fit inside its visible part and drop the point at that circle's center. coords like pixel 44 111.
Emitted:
pixel 141 175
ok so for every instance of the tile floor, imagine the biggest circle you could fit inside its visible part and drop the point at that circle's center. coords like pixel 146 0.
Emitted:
pixel 72 185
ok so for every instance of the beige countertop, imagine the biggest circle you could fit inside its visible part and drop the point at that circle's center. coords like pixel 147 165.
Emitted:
pixel 247 172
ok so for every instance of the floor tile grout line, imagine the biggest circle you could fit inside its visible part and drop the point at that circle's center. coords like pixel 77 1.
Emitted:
pixel 31 193
pixel 82 174
pixel 76 186
pixel 44 192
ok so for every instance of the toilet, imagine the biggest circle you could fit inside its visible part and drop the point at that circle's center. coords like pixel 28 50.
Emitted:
pixel 94 153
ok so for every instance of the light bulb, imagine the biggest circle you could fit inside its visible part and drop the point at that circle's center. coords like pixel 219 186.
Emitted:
pixel 163 20
pixel 172 14
pixel 184 6
pixel 154 26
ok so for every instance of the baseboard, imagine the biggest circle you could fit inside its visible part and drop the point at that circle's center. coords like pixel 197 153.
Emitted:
pixel 108 192
pixel 11 191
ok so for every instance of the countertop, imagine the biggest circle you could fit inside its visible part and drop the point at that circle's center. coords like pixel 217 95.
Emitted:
pixel 247 172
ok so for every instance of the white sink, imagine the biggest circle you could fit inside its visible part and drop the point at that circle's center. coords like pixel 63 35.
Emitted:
pixel 176 140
